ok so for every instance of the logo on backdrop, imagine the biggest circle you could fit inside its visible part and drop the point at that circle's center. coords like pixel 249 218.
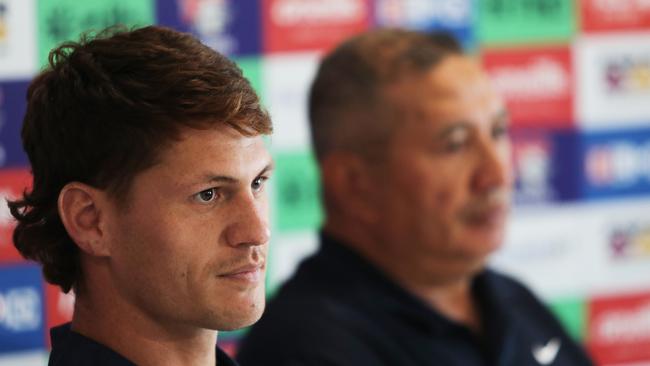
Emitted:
pixel 506 8
pixel 4 27
pixel 453 16
pixel 20 309
pixel 618 165
pixel 209 19
pixel 630 241
pixel 540 78
pixel 536 84
pixel 311 25
pixel 627 74
pixel 300 12
pixel 22 322
pixel 608 15
pixel 619 328
pixel 624 325
pixel 533 168
pixel 421 13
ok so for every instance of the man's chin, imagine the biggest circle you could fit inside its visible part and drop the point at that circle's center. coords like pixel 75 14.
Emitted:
pixel 246 314
pixel 243 322
pixel 485 240
pixel 477 254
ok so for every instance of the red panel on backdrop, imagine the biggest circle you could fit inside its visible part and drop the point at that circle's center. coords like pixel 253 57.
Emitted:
pixel 59 307
pixel 619 329
pixel 612 15
pixel 12 184
pixel 536 83
pixel 311 25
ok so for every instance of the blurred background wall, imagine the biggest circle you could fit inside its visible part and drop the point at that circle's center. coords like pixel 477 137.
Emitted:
pixel 576 76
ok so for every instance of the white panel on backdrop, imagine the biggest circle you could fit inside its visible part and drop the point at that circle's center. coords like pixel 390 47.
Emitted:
pixel 613 80
pixel 580 249
pixel 30 358
pixel 549 250
pixel 286 82
pixel 18 57
pixel 624 264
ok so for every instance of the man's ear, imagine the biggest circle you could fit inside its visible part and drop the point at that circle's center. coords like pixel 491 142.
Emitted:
pixel 80 208
pixel 349 185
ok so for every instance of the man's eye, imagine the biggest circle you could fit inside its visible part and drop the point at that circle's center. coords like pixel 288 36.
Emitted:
pixel 456 141
pixel 258 183
pixel 206 196
pixel 499 131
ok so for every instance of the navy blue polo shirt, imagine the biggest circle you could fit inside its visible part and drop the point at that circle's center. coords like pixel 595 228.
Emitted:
pixel 70 348
pixel 340 310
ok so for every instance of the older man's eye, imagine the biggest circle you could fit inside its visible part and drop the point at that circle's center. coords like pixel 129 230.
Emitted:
pixel 456 140
pixel 500 131
pixel 206 196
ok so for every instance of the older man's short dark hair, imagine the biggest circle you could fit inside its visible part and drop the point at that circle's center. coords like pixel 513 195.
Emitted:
pixel 346 107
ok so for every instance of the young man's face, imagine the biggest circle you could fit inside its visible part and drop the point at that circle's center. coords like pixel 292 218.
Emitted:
pixel 190 247
pixel 446 183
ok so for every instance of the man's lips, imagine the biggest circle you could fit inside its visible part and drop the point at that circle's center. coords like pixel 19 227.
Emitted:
pixel 249 273
pixel 489 216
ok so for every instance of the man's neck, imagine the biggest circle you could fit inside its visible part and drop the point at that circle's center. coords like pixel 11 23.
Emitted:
pixel 454 300
pixel 139 338
pixel 451 296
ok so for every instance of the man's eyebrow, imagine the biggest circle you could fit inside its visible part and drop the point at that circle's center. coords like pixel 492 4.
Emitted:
pixel 502 116
pixel 269 167
pixel 212 178
pixel 218 178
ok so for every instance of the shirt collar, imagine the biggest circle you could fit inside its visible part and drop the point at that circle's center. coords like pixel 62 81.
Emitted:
pixel 386 293
pixel 68 346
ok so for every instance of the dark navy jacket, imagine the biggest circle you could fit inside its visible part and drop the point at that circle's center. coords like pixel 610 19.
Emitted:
pixel 73 349
pixel 339 310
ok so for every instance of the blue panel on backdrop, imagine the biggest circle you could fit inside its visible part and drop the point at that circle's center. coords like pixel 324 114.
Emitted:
pixel 454 16
pixel 567 165
pixel 546 164
pixel 12 110
pixel 229 26
pixel 616 163
pixel 22 314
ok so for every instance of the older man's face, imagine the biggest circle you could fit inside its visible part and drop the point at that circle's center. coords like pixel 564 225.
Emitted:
pixel 443 193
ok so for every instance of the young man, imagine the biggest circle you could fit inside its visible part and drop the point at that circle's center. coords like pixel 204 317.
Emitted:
pixel 148 197
pixel 414 157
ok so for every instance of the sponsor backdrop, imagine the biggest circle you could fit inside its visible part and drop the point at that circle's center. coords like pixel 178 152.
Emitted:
pixel 576 77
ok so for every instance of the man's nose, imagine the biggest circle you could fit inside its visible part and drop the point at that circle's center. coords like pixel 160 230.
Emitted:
pixel 249 224
pixel 494 169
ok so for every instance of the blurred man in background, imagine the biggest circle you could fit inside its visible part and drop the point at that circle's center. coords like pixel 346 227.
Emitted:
pixel 148 197
pixel 412 144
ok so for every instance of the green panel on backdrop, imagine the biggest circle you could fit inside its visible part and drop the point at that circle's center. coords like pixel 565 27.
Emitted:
pixel 252 69
pixel 572 313
pixel 272 285
pixel 65 20
pixel 297 197
pixel 520 21
pixel 232 335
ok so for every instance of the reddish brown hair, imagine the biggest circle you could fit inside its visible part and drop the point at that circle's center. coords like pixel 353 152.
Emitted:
pixel 102 112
